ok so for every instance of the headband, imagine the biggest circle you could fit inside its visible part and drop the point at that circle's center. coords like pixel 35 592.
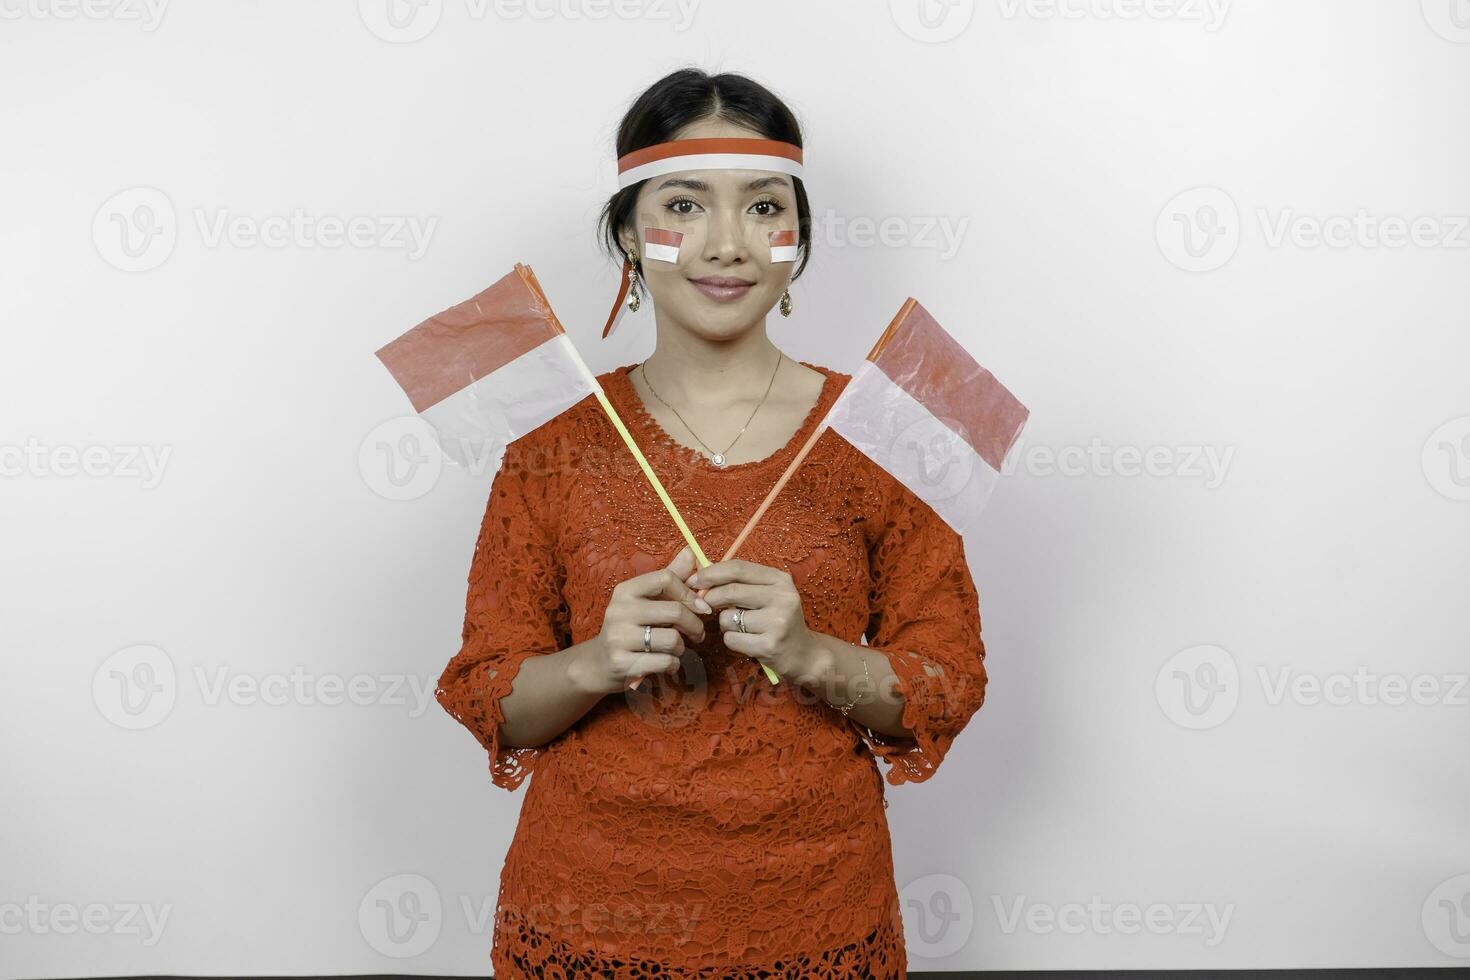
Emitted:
pixel 712 153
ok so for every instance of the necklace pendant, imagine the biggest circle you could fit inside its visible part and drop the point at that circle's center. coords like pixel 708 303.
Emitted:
pixel 718 459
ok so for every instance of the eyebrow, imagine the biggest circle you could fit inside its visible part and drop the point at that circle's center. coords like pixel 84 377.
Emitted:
pixel 699 185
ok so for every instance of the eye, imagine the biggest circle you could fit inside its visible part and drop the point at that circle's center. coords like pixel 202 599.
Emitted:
pixel 674 204
pixel 772 203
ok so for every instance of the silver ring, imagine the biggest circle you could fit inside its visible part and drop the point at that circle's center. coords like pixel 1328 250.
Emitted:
pixel 648 639
pixel 740 620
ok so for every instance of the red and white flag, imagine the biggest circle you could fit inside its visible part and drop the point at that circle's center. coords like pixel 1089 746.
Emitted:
pixel 489 370
pixel 783 246
pixel 922 408
pixel 661 245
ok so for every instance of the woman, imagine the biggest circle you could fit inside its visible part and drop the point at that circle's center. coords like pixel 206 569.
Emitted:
pixel 708 823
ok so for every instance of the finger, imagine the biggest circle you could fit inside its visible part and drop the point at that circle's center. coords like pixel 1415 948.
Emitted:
pixel 676 588
pixel 665 583
pixel 667 612
pixel 661 639
pixel 735 570
pixel 739 594
pixel 754 621
pixel 683 563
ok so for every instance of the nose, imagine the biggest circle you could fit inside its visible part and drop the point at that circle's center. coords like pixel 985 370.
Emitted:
pixel 726 241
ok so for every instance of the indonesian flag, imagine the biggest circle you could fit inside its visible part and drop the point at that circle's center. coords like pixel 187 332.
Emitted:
pixel 922 408
pixel 661 245
pixel 783 246
pixel 490 369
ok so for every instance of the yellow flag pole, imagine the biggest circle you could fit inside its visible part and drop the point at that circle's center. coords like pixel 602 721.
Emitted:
pixel 658 487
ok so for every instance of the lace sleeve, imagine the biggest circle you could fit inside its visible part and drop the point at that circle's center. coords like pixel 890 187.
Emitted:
pixel 925 618
pixel 514 609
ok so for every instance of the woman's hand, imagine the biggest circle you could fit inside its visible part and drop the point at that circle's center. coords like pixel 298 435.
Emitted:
pixel 776 633
pixel 659 599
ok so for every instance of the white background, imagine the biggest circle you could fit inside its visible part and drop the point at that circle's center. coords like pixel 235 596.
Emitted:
pixel 1130 191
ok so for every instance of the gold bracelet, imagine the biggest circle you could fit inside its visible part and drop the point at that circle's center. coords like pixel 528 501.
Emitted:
pixel 867 675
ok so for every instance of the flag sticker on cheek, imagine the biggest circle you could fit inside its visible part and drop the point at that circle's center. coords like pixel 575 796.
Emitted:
pixel 783 246
pixel 661 245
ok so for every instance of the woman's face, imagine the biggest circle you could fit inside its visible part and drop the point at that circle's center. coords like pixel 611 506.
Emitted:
pixel 722 220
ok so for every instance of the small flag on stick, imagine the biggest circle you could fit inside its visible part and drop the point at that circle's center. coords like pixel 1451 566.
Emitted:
pixel 495 367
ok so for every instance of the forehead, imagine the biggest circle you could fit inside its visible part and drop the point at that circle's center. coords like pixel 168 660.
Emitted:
pixel 720 179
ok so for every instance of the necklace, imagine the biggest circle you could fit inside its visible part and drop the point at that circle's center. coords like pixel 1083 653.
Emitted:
pixel 717 458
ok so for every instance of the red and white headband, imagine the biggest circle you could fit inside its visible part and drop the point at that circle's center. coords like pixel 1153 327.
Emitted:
pixel 712 153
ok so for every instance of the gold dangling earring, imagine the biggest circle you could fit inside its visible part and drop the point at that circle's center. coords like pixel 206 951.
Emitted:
pixel 633 301
pixel 786 303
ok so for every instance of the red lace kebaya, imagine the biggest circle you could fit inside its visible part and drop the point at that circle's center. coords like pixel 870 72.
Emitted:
pixel 709 824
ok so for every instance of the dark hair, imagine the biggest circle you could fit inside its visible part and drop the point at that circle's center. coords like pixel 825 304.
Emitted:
pixel 687 96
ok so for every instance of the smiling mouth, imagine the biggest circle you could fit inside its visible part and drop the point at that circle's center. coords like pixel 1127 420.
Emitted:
pixel 722 289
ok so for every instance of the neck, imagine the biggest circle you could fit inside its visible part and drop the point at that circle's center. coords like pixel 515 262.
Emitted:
pixel 701 373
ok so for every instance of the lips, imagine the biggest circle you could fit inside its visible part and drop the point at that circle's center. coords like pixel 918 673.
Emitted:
pixel 722 289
